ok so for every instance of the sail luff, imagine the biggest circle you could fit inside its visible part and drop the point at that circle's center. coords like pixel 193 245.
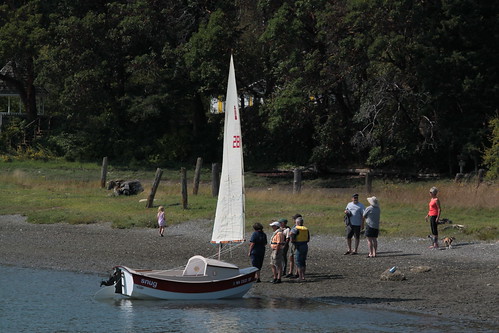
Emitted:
pixel 229 216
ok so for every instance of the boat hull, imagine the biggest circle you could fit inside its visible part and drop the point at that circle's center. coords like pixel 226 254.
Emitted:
pixel 143 285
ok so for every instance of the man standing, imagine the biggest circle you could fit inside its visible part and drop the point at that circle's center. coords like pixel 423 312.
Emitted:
pixel 285 231
pixel 292 272
pixel 300 236
pixel 276 244
pixel 355 210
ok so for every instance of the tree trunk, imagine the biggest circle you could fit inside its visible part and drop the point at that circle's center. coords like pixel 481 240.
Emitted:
pixel 30 104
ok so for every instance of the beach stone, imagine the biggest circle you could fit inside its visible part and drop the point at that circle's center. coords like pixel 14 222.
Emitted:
pixel 420 269
pixel 395 276
pixel 125 187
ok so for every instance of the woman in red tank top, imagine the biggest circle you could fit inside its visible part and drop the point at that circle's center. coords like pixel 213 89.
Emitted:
pixel 434 215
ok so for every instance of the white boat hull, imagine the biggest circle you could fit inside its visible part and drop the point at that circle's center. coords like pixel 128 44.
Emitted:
pixel 203 279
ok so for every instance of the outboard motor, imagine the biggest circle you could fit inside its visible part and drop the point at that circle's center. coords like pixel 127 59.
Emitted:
pixel 118 287
pixel 115 279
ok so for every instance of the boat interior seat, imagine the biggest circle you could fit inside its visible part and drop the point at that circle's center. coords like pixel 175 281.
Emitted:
pixel 195 267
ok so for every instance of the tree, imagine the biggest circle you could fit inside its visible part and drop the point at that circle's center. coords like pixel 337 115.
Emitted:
pixel 491 154
pixel 292 65
pixel 120 78
pixel 417 77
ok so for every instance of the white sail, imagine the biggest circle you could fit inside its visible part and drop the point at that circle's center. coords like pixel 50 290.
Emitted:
pixel 229 217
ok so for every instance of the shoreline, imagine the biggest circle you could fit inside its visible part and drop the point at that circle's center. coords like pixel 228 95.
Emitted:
pixel 461 282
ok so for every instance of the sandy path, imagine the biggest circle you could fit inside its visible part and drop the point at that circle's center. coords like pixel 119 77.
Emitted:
pixel 462 283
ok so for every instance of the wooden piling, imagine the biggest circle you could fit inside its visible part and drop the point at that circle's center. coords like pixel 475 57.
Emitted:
pixel 197 175
pixel 297 176
pixel 155 184
pixel 215 179
pixel 369 182
pixel 103 173
pixel 183 173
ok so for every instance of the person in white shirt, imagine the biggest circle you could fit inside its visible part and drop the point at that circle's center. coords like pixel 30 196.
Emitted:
pixel 355 211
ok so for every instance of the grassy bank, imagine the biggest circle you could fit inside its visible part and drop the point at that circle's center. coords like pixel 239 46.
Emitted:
pixel 57 191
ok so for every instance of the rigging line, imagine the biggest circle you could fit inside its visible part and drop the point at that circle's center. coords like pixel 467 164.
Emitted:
pixel 226 249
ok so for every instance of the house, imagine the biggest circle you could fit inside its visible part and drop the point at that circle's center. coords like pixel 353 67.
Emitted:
pixel 11 104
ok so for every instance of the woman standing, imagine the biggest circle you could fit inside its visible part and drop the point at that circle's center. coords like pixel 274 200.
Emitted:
pixel 256 251
pixel 434 215
pixel 372 216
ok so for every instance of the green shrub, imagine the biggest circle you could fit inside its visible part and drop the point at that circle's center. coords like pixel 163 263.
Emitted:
pixel 491 154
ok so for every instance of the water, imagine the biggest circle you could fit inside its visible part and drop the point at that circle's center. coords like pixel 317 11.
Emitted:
pixel 53 301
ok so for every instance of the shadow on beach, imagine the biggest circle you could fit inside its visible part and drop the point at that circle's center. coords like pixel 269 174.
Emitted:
pixel 315 277
pixel 342 300
pixel 396 254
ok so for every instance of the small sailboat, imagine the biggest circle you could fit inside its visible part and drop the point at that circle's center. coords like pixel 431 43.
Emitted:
pixel 202 278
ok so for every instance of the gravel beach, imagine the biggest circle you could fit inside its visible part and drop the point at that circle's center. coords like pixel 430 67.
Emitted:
pixel 460 283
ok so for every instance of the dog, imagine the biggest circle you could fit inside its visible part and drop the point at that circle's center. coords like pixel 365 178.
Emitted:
pixel 448 241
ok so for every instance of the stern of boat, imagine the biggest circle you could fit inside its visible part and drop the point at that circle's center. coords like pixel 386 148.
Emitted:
pixel 121 281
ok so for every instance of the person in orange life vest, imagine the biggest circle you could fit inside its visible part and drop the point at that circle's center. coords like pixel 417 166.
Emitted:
pixel 300 236
pixel 434 215
pixel 276 244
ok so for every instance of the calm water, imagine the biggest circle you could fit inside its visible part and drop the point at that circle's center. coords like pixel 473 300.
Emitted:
pixel 53 301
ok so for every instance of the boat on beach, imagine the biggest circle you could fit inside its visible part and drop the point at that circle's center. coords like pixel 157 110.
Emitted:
pixel 202 278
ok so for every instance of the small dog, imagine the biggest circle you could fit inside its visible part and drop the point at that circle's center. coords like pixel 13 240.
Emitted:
pixel 448 241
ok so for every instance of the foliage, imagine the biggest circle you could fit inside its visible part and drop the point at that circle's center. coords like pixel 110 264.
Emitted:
pixel 12 135
pixel 491 154
pixel 377 83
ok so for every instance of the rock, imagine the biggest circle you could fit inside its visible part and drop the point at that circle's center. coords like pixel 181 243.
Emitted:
pixel 395 276
pixel 420 269
pixel 122 187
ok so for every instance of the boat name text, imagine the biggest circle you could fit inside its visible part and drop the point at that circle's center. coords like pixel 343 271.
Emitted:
pixel 149 283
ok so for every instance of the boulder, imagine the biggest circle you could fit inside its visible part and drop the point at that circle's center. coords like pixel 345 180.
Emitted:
pixel 125 187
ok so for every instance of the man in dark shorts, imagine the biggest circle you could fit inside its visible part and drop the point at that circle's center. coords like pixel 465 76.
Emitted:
pixel 256 251
pixel 285 231
pixel 355 210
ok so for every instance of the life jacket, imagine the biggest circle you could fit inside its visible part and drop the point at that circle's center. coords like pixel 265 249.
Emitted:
pixel 277 239
pixel 302 235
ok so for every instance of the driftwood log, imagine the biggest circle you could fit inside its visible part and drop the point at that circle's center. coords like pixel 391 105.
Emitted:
pixel 125 187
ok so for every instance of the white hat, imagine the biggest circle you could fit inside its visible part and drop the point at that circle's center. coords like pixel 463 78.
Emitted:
pixel 373 201
pixel 275 224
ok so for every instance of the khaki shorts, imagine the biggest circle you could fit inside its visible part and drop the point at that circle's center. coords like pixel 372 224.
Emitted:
pixel 276 258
